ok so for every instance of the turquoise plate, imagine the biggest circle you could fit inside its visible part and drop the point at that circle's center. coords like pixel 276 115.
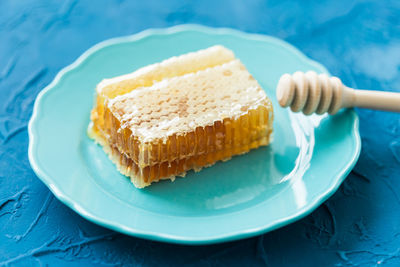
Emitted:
pixel 246 196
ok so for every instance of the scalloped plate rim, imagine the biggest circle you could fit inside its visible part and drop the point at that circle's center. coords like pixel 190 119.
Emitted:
pixel 151 235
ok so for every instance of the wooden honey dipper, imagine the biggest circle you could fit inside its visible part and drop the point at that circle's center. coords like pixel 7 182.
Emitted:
pixel 311 92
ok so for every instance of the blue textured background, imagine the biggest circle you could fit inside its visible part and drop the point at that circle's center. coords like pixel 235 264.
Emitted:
pixel 358 41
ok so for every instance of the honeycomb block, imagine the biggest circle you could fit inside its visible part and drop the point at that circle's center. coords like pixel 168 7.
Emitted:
pixel 185 122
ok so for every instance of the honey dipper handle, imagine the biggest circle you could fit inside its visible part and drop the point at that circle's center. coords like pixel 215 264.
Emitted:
pixel 371 99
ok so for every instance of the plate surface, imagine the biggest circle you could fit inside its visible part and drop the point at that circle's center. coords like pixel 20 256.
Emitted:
pixel 248 195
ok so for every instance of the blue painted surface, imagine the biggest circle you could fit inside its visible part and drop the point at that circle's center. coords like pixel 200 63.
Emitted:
pixel 356 40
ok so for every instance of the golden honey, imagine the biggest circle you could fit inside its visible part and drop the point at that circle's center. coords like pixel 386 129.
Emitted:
pixel 166 124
